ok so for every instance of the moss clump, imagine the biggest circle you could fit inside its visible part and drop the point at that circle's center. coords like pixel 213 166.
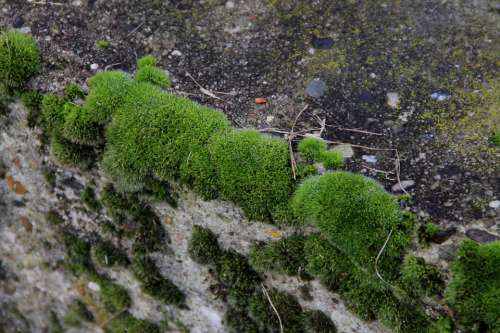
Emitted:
pixel 282 256
pixel 495 138
pixel 77 313
pixel 234 271
pixel 356 215
pixel 427 231
pixel 474 291
pixel 145 61
pixel 153 75
pixel 253 170
pixel 103 44
pixel 73 91
pixel 53 113
pixel 54 324
pixel 80 127
pixel 114 296
pixel 203 247
pixel 153 283
pixel 70 154
pixel 19 59
pixel 78 258
pixel 311 149
pixel 53 217
pixel 32 100
pixel 89 199
pixel 332 159
pixel 304 171
pixel 107 254
pixel 238 321
pixel 126 323
pixel 316 321
pixel 419 278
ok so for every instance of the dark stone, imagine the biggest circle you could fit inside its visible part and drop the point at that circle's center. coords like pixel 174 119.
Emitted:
pixel 481 236
pixel 18 22
pixel 72 183
pixel 18 203
pixel 322 43
pixel 443 235
pixel 316 88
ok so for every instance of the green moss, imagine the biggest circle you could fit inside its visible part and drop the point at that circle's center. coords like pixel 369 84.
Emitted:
pixel 238 321
pixel 70 154
pixel 442 325
pixel 79 126
pixel 419 278
pixel 77 313
pixel 160 191
pixel 356 215
pixel 126 323
pixel 310 149
pixel 107 254
pixel 474 291
pixel 103 44
pixel 495 138
pixel 287 306
pixel 203 247
pixel 234 271
pixel 145 61
pixel 49 174
pixel 153 283
pixel 282 256
pixel 427 231
pixel 73 91
pixel 253 170
pixel 114 297
pixel 78 258
pixel 54 324
pixel 332 159
pixel 153 75
pixel 316 321
pixel 53 113
pixel 32 100
pixel 304 171
pixel 19 59
pixel 53 217
pixel 403 316
pixel 89 199
pixel 3 169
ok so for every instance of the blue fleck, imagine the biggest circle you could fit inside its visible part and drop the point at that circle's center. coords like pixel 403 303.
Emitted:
pixel 322 43
pixel 440 95
pixel 316 88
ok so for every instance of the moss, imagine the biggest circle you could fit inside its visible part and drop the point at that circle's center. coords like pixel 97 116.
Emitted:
pixel 332 159
pixel 19 59
pixel 160 191
pixel 32 101
pixel 419 278
pixel 3 169
pixel 238 321
pixel 304 171
pixel 126 323
pixel 474 291
pixel 282 256
pixel 53 217
pixel 316 321
pixel 78 258
pixel 49 174
pixel 203 247
pixel 89 199
pixel 495 138
pixel 253 170
pixel 77 312
pixel 73 91
pixel 53 113
pixel 70 154
pixel 80 127
pixel 287 306
pixel 103 44
pixel 114 297
pixel 442 325
pixel 403 316
pixel 145 61
pixel 153 75
pixel 54 324
pixel 107 254
pixel 310 149
pixel 153 283
pixel 234 271
pixel 356 215
pixel 427 231
pixel 5 99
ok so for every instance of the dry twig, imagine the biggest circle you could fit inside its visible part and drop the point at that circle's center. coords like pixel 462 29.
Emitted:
pixel 272 305
pixel 380 253
pixel 203 89
pixel 291 136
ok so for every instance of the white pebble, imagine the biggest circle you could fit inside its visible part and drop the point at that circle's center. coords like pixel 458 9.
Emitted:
pixel 495 204
pixel 176 53
pixel 94 67
pixel 229 5
pixel 93 286
pixel 393 99
pixel 369 158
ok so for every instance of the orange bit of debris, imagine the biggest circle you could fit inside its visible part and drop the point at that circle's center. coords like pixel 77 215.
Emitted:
pixel 260 100
pixel 275 233
pixel 15 186
pixel 168 220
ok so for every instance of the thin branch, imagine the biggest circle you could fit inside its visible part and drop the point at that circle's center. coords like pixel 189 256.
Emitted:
pixel 398 172
pixel 46 3
pixel 203 89
pixel 272 305
pixel 380 253
pixel 136 28
pixel 291 136
pixel 353 130
pixel 112 65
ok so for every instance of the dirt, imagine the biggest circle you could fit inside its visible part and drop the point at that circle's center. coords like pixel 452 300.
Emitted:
pixel 243 50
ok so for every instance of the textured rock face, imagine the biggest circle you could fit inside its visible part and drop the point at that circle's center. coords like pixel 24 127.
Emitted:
pixel 34 282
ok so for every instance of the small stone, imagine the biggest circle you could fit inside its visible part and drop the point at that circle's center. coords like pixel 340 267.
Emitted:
pixel 393 100
pixel 443 235
pixel 345 149
pixel 316 88
pixel 481 236
pixel 229 5
pixel 322 43
pixel 440 95
pixel 260 100
pixel 369 158
pixel 26 224
pixel 403 185
pixel 25 30
pixel 18 22
pixel 269 119
pixel 373 75
pixel 176 53
pixel 495 204
pixel 93 286
pixel 94 67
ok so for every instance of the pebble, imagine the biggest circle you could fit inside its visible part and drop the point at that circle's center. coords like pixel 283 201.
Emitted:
pixel 176 53
pixel 25 30
pixel 269 119
pixel 18 22
pixel 495 204
pixel 443 235
pixel 393 99
pixel 369 158
pixel 405 184
pixel 316 88
pixel 481 236
pixel 440 95
pixel 93 286
pixel 322 43
pixel 229 5
pixel 345 149
pixel 94 67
